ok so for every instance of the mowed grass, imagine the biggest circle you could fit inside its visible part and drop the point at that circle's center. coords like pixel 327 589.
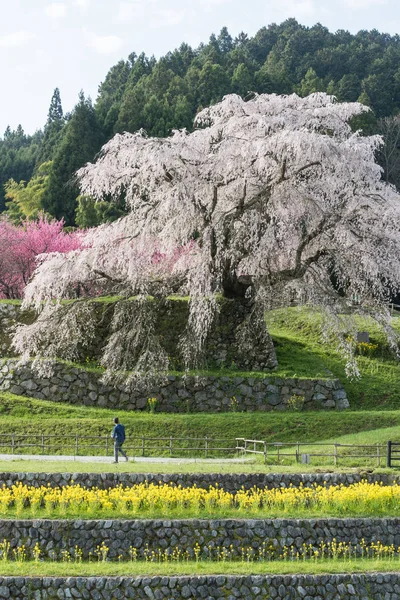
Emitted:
pixel 18 465
pixel 28 416
pixel 139 568
pixel 302 352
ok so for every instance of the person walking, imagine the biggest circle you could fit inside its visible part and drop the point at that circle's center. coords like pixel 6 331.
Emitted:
pixel 118 435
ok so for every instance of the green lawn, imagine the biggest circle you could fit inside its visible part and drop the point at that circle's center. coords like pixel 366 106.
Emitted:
pixel 18 465
pixel 111 569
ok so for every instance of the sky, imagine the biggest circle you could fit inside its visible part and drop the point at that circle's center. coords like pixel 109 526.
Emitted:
pixel 71 44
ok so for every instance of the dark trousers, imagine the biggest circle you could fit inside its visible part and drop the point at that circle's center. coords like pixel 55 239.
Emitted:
pixel 118 448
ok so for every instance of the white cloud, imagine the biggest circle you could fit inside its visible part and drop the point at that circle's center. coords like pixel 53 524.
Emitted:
pixel 168 17
pixel 358 4
pixel 129 11
pixel 18 38
pixel 152 10
pixel 213 3
pixel 298 8
pixel 103 44
pixel 56 10
pixel 81 4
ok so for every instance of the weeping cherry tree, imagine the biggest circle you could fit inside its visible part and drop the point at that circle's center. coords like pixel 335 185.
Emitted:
pixel 267 201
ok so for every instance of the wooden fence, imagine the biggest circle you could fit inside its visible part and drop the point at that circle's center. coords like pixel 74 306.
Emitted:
pixel 273 453
pixel 103 445
pixel 279 453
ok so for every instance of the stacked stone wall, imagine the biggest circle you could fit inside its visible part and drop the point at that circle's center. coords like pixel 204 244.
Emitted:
pixel 146 535
pixel 230 482
pixel 176 394
pixel 369 586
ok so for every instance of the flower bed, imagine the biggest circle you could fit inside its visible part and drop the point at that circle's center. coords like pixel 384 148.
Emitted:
pixel 165 500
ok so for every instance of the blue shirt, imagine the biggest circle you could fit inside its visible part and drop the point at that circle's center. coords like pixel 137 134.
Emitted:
pixel 118 433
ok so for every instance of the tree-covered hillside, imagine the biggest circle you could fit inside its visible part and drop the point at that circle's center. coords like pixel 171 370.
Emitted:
pixel 160 95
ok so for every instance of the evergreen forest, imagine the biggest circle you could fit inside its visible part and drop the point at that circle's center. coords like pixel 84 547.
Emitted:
pixel 37 171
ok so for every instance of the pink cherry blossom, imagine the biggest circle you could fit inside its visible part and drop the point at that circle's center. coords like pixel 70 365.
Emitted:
pixel 20 248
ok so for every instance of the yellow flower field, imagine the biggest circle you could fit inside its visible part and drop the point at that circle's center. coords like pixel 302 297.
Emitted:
pixel 144 500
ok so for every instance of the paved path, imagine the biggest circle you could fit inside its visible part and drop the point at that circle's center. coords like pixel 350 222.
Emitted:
pixel 108 459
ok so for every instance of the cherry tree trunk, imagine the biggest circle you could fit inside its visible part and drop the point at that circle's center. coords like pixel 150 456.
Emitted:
pixel 239 338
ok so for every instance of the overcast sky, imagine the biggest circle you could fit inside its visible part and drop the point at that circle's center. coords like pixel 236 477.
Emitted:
pixel 71 44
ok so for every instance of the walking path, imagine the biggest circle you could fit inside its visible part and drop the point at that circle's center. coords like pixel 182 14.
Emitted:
pixel 109 459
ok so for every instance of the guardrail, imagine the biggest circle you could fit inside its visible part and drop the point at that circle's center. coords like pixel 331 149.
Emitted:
pixel 299 452
pixel 76 444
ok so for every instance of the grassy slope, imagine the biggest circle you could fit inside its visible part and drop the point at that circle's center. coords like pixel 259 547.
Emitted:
pixel 301 353
pixel 25 415
pixel 297 335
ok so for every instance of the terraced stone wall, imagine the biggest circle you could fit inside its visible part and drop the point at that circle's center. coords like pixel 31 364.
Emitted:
pixel 369 586
pixel 145 535
pixel 176 394
pixel 231 482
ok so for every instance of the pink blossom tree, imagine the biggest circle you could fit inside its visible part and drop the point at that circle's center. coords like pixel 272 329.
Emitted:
pixel 20 248
pixel 284 201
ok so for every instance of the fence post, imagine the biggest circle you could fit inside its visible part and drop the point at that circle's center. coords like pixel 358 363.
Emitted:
pixel 389 454
pixel 76 444
pixel 335 457
pixel 142 445
pixel 378 455
pixel 265 453
pixel 170 445
pixel 42 443
pixel 297 452
pixel 205 447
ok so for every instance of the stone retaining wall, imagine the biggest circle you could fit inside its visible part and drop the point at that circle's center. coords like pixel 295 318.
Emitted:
pixel 177 394
pixel 226 343
pixel 231 482
pixel 119 535
pixel 369 586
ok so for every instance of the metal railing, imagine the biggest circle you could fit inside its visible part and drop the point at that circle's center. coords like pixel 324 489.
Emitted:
pixel 103 445
pixel 302 452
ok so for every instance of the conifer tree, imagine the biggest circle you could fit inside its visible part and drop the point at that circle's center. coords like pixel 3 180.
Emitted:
pixel 52 130
pixel 81 140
